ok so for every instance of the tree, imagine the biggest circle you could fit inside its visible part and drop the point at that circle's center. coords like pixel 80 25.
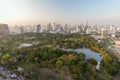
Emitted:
pixel 82 56
pixel 59 63
pixel 5 58
pixel 92 61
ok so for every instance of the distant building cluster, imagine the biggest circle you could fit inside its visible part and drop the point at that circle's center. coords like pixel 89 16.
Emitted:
pixel 103 30
pixel 4 30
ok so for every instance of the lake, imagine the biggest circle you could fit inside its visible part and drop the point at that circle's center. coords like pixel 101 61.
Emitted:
pixel 88 53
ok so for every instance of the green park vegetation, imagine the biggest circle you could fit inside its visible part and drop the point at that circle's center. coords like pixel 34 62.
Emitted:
pixel 45 60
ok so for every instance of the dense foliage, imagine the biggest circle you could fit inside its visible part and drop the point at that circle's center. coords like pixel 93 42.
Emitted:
pixel 45 60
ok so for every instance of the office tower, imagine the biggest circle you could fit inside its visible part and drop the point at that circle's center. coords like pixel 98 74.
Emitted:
pixel 54 26
pixel 104 32
pixel 19 29
pixel 49 27
pixel 38 28
pixel 66 28
pixel 88 30
pixel 4 30
pixel 86 25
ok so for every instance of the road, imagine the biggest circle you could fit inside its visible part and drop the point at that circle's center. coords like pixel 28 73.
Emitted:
pixel 8 75
pixel 113 53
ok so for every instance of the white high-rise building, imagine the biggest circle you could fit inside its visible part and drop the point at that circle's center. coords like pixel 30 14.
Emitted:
pixel 104 32
pixel 88 30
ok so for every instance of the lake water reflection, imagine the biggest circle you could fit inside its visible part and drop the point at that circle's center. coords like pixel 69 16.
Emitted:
pixel 88 53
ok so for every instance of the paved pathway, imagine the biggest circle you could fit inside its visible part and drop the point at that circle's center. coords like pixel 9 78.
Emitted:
pixel 117 77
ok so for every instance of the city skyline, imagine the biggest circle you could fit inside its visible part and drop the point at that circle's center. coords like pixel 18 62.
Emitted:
pixel 25 12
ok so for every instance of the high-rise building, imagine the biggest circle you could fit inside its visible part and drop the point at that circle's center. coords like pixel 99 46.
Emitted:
pixel 88 30
pixel 4 30
pixel 19 29
pixel 104 32
pixel 38 28
pixel 49 27
pixel 86 23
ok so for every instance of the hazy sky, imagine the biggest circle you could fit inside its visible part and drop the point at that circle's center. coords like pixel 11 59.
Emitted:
pixel 23 12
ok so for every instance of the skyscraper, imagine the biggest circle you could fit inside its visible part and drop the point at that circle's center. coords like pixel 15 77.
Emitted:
pixel 38 28
pixel 86 23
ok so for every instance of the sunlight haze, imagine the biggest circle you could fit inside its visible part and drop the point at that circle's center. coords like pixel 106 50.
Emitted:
pixel 25 12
